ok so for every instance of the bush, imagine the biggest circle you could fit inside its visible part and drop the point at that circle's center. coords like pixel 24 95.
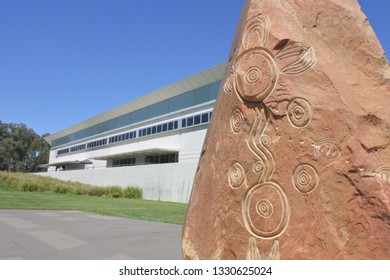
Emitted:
pixel 29 187
pixel 61 189
pixel 115 191
pixel 97 191
pixel 133 193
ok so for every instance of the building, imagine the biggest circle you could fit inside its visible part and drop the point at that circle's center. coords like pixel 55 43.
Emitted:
pixel 153 142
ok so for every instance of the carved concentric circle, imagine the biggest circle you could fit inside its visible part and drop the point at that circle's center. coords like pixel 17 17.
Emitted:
pixel 237 175
pixel 305 178
pixel 258 166
pixel 255 75
pixel 299 112
pixel 237 121
pixel 266 210
pixel 265 140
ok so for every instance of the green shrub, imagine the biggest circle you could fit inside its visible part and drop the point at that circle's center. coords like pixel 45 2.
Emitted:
pixel 29 187
pixel 132 192
pixel 61 189
pixel 97 191
pixel 115 191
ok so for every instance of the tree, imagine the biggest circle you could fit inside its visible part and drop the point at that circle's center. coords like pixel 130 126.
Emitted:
pixel 21 149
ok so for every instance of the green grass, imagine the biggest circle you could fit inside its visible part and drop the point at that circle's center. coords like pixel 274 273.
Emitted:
pixel 158 211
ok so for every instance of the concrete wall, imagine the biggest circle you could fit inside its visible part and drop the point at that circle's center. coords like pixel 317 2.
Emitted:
pixel 166 182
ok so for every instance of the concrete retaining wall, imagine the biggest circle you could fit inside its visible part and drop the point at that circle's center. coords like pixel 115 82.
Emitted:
pixel 166 182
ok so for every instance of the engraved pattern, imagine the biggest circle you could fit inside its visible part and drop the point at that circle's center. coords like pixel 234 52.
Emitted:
pixel 326 150
pixel 256 32
pixel 253 252
pixel 252 83
pixel 299 112
pixel 258 166
pixel 265 140
pixel 228 87
pixel 383 175
pixel 253 77
pixel 237 175
pixel 259 149
pixel 237 121
pixel 301 57
pixel 266 210
pixel 305 178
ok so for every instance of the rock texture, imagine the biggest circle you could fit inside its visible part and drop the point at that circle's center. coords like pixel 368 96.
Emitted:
pixel 296 161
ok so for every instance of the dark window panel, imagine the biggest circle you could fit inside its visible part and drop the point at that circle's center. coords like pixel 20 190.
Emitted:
pixel 197 119
pixel 190 121
pixel 205 118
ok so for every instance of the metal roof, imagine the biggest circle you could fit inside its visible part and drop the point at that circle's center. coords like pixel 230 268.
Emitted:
pixel 203 78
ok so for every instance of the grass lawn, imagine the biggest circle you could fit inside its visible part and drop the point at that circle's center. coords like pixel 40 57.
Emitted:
pixel 158 211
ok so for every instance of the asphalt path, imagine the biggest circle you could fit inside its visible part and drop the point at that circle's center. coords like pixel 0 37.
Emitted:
pixel 74 235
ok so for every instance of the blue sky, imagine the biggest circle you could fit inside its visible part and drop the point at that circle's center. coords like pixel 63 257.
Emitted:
pixel 64 61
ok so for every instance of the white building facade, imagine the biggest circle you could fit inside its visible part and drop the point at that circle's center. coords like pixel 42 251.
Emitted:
pixel 153 142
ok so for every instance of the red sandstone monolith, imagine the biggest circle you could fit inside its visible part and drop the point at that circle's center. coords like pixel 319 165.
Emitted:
pixel 296 161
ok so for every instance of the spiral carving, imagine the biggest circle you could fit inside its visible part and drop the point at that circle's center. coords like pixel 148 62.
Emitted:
pixel 266 210
pixel 253 75
pixel 265 140
pixel 305 178
pixel 299 112
pixel 237 175
pixel 237 121
pixel 258 167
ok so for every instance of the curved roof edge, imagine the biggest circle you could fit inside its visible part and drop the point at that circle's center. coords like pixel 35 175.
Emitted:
pixel 198 80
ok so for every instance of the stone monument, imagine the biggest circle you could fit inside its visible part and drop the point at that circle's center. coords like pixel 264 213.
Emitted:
pixel 296 161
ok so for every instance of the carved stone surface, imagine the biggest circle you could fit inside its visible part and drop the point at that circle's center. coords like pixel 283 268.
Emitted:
pixel 296 161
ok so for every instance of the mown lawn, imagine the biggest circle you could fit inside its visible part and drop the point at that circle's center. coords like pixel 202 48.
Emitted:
pixel 158 211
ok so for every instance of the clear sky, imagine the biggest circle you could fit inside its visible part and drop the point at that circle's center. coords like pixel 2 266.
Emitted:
pixel 64 61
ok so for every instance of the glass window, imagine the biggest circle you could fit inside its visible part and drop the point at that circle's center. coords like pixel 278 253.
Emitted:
pixel 185 100
pixel 190 121
pixel 154 130
pixel 183 123
pixel 159 128
pixel 170 126
pixel 175 124
pixel 174 103
pixel 144 132
pixel 214 88
pixel 205 117
pixel 202 95
pixel 149 131
pixel 164 127
pixel 197 119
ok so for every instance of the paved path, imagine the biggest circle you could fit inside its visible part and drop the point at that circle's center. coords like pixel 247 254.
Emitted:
pixel 73 235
